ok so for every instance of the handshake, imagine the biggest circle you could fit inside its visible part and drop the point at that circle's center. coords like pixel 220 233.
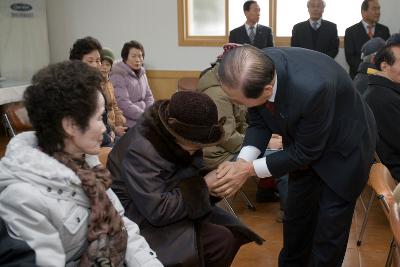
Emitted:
pixel 228 178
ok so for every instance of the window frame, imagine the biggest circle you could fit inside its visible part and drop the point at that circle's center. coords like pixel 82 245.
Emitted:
pixel 198 40
pixel 185 40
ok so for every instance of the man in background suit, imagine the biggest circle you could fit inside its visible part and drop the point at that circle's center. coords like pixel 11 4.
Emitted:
pixel 358 34
pixel 329 137
pixel 259 36
pixel 315 33
pixel 251 32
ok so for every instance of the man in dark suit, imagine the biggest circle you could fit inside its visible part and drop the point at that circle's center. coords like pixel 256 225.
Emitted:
pixel 251 32
pixel 329 137
pixel 383 96
pixel 358 34
pixel 315 33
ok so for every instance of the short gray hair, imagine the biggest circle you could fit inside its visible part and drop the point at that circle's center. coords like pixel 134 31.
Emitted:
pixel 369 58
pixel 323 3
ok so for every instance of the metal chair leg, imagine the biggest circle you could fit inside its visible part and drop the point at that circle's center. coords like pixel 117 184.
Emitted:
pixel 8 125
pixel 364 205
pixel 390 254
pixel 249 204
pixel 364 224
pixel 229 207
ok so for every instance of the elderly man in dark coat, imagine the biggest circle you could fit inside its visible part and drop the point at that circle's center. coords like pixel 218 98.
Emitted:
pixel 157 166
pixel 383 96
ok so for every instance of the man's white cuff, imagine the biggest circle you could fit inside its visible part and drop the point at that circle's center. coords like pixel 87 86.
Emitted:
pixel 261 168
pixel 249 153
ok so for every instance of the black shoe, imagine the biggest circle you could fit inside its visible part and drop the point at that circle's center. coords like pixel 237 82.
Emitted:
pixel 266 195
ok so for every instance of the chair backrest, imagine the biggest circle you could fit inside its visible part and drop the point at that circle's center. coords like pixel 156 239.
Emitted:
pixel 103 155
pixel 188 84
pixel 383 184
pixel 396 193
pixel 16 118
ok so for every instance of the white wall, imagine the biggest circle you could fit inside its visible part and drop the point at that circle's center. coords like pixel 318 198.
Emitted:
pixel 152 22
pixel 390 15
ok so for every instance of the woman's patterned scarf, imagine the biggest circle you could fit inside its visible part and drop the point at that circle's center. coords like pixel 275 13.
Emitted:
pixel 107 235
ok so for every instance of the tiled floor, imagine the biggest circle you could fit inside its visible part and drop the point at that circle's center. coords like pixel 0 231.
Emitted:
pixel 372 253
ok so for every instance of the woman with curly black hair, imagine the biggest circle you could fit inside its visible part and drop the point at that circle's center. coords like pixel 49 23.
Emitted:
pixel 51 196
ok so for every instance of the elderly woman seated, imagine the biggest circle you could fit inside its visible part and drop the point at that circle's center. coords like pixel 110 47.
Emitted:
pixel 156 166
pixel 50 195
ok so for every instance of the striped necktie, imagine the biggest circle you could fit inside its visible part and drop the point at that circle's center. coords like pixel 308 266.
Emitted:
pixel 252 34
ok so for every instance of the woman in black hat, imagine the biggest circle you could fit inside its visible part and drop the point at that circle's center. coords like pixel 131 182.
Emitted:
pixel 156 168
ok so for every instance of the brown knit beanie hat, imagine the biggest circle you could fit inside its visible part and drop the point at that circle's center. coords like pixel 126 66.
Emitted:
pixel 192 118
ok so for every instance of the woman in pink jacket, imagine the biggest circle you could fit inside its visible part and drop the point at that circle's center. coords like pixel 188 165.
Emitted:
pixel 130 83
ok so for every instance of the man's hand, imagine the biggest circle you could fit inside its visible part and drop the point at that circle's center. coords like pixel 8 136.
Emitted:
pixel 120 130
pixel 231 176
pixel 275 142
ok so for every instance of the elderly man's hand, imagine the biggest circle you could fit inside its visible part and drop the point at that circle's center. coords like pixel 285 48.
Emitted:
pixel 231 176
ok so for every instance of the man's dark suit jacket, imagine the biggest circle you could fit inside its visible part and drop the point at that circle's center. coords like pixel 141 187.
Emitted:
pixel 327 40
pixel 354 38
pixel 262 39
pixel 383 96
pixel 324 122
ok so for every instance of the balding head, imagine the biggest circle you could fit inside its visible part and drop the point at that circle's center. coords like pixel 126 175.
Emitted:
pixel 248 69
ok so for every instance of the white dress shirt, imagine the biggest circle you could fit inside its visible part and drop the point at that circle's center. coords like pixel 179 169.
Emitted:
pixel 365 24
pixel 248 28
pixel 318 23
pixel 251 153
